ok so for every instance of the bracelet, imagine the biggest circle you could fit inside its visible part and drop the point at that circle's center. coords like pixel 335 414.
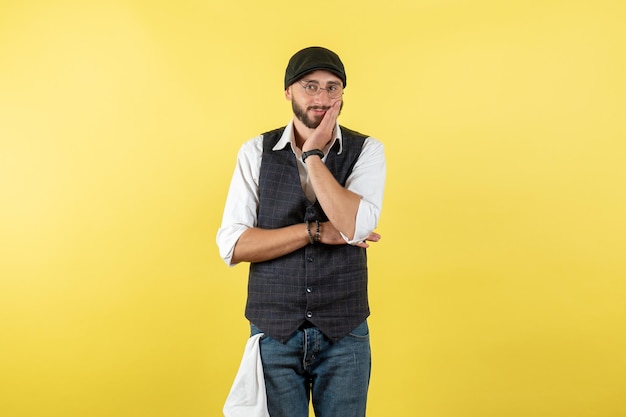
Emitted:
pixel 317 231
pixel 308 229
pixel 317 152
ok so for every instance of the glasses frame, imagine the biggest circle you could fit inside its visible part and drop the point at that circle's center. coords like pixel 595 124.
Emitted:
pixel 304 85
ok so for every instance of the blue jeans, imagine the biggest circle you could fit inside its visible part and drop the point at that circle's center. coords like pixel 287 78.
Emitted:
pixel 335 375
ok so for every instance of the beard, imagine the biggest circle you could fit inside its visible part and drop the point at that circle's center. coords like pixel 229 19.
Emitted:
pixel 301 114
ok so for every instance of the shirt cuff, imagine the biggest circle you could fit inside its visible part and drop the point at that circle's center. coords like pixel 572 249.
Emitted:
pixel 366 221
pixel 227 239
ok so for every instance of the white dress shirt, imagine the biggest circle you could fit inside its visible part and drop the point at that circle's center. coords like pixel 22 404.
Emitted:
pixel 367 180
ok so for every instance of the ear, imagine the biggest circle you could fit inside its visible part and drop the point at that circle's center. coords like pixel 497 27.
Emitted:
pixel 288 94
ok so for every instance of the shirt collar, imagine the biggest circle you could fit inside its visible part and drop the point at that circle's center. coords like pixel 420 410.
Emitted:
pixel 288 138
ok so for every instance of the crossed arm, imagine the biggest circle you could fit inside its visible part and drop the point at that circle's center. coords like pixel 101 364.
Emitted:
pixel 340 206
pixel 258 245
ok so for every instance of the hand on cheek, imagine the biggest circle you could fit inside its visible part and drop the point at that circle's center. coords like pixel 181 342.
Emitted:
pixel 324 132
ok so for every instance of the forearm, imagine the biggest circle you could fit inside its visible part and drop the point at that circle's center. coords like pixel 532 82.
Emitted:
pixel 258 245
pixel 340 204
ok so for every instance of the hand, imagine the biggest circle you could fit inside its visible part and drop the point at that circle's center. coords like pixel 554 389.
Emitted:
pixel 373 237
pixel 331 236
pixel 323 133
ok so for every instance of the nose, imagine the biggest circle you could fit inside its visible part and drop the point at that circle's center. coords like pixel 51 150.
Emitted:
pixel 322 96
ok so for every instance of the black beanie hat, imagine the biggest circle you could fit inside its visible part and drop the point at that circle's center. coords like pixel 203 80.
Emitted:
pixel 310 59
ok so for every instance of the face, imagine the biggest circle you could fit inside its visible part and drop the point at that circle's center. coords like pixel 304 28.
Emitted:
pixel 310 110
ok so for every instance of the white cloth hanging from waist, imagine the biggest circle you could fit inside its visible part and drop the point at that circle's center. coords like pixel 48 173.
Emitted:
pixel 247 396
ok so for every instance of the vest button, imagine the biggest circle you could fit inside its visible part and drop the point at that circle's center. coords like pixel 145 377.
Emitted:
pixel 309 314
pixel 309 289
pixel 309 258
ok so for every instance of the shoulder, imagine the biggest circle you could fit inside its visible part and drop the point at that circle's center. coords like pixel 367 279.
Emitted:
pixel 351 133
pixel 272 137
pixel 274 132
pixel 252 148
pixel 369 141
pixel 252 142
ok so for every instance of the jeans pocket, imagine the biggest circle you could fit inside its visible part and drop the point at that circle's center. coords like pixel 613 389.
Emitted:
pixel 255 330
pixel 361 332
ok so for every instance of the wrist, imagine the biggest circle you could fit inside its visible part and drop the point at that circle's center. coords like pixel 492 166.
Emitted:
pixel 309 233
pixel 312 152
pixel 314 236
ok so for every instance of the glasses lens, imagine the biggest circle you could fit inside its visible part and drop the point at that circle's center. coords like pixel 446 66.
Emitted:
pixel 311 88
pixel 335 91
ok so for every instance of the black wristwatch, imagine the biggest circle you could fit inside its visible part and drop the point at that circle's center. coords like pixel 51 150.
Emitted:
pixel 317 152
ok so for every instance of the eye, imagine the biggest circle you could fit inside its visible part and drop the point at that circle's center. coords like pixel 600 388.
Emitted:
pixel 333 88
pixel 311 87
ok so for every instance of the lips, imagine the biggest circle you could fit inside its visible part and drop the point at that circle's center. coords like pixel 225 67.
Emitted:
pixel 319 110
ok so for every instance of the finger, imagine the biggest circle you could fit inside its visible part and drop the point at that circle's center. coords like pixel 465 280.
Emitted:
pixel 335 108
pixel 330 118
pixel 333 112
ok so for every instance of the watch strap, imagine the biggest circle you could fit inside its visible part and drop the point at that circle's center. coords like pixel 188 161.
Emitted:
pixel 317 152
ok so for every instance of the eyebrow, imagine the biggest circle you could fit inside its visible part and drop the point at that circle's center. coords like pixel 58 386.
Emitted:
pixel 317 82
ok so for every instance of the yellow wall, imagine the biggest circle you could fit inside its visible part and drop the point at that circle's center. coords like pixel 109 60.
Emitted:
pixel 498 288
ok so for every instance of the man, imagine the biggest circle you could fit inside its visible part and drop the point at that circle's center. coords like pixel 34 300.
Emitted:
pixel 303 202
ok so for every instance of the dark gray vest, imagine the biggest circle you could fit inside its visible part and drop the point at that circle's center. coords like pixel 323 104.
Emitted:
pixel 323 284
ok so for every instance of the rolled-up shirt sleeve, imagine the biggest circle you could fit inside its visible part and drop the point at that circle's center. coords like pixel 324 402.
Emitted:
pixel 240 212
pixel 368 180
pixel 243 195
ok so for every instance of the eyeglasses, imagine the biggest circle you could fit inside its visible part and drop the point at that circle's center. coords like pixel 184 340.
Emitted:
pixel 313 89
